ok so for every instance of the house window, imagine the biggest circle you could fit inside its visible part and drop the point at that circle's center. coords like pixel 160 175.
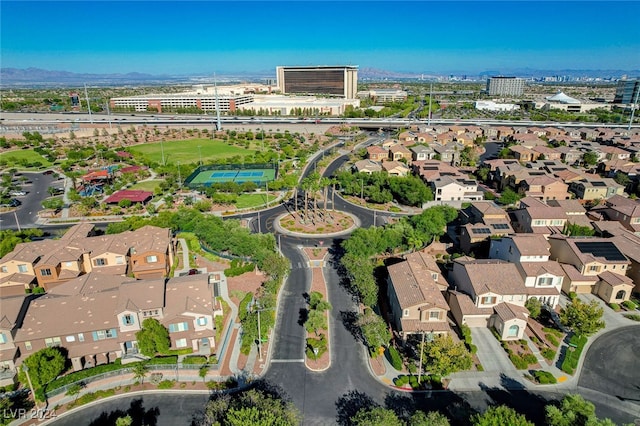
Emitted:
pixel 181 343
pixel 434 315
pixel 80 337
pixel 52 341
pixel 181 326
pixel 202 321
pixel 3 269
pixel 68 264
pixel 434 276
pixel 3 339
pixel 27 345
pixel 70 338
pixel 100 262
pixel 46 272
pixel 405 313
pixel 593 268
pixel 128 320
pixel 152 259
pixel 151 313
pixel 545 281
pixel 104 334
pixel 22 268
pixel 488 300
pixel 119 260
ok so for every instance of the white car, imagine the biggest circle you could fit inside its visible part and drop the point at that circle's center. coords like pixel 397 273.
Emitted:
pixel 17 193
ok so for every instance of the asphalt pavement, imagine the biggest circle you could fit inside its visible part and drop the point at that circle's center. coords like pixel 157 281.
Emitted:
pixel 27 212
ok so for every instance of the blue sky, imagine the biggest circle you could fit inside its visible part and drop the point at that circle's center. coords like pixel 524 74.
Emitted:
pixel 171 37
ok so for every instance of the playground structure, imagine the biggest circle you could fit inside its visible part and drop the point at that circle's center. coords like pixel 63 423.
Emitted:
pixel 93 182
pixel 205 176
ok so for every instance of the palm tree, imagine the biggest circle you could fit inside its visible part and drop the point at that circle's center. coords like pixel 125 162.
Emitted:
pixel 140 370
pixel 324 184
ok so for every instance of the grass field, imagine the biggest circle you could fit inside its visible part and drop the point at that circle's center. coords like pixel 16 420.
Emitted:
pixel 252 200
pixel 18 158
pixel 187 151
pixel 148 185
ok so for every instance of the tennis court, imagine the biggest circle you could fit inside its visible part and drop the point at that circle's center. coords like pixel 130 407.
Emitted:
pixel 206 176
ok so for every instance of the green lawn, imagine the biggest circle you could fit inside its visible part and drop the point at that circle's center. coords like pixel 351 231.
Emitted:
pixel 187 151
pixel 148 185
pixel 22 157
pixel 252 200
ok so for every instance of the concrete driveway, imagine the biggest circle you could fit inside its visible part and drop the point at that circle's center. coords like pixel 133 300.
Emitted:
pixel 490 352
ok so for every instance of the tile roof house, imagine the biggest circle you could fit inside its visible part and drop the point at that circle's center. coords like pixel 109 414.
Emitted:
pixel 367 166
pixel 377 153
pixel 489 293
pixel 544 187
pixel 448 188
pixel 589 257
pixel 422 152
pixel 415 298
pixel 594 188
pixel 145 252
pixel 480 222
pixel 97 322
pixel 623 210
pixel 399 152
pixel 11 317
pixel 395 168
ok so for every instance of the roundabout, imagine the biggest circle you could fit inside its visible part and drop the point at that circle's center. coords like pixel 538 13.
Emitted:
pixel 333 223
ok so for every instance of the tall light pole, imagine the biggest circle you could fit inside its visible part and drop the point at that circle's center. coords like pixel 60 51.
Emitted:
pixel 362 189
pixel 179 177
pixel 421 352
pixel 162 151
pixel 33 392
pixel 86 95
pixel 200 153
pixel 430 97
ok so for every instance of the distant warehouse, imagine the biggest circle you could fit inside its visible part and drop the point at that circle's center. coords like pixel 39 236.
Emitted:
pixel 341 81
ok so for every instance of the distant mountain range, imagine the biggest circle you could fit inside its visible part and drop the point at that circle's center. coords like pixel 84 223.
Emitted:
pixel 36 77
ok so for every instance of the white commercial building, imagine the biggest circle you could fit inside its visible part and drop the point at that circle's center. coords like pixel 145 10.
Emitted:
pixel 505 86
pixel 493 106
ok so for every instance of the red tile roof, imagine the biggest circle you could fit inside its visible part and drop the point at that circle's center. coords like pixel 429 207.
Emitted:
pixel 136 196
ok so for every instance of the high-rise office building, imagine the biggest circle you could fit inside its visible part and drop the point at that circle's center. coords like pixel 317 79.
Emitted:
pixel 505 86
pixel 627 91
pixel 339 81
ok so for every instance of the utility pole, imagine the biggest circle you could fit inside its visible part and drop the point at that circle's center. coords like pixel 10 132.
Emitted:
pixel 362 189
pixel 179 177
pixel 17 222
pixel 162 151
pixel 86 95
pixel 200 154
pixel 259 231
pixel 259 337
pixel 108 114
pixel 215 89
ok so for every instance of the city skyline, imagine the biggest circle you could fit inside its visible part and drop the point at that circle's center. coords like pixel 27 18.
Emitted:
pixel 183 38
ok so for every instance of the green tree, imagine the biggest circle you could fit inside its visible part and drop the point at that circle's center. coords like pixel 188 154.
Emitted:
pixel 44 366
pixel 316 321
pixel 374 330
pixel 140 370
pixel 574 410
pixel 442 356
pixel 432 418
pixel 53 203
pixel 253 407
pixel 124 203
pixel 534 306
pixel 622 179
pixel 508 197
pixel 124 421
pixel 590 158
pixel 376 416
pixel 153 338
pixel 576 230
pixel 583 318
pixel 499 416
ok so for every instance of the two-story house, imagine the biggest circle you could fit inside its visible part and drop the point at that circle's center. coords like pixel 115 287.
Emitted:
pixel 422 152
pixel 480 222
pixel 590 188
pixel 489 293
pixel 399 152
pixel 530 253
pixel 11 317
pixel 623 210
pixel 448 188
pixel 377 153
pixel 367 166
pixel 585 258
pixel 544 188
pixel 415 299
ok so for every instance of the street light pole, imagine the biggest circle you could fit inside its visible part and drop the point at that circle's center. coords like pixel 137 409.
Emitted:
pixel 421 352
pixel 259 338
pixel 33 392
pixel 200 153
pixel 162 151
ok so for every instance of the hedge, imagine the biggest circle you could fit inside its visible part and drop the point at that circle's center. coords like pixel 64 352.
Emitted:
pixel 196 359
pixel 614 306
pixel 629 304
pixel 544 377
pixel 548 353
pixel 244 304
pixel 552 339
pixel 394 358
pixel 572 356
pixel 166 384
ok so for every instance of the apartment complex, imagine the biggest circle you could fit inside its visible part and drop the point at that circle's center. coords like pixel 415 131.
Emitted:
pixel 175 101
pixel 341 81
pixel 505 86
pixel 95 317
pixel 144 253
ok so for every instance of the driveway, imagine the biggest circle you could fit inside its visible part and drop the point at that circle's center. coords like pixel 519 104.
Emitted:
pixel 490 352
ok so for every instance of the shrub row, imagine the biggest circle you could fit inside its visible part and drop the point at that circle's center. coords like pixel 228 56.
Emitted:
pixel 548 354
pixel 228 384
pixel 412 380
pixel 91 396
pixel 552 339
pixel 238 268
pixel 571 358
pixel 196 359
pixel 629 304
pixel 634 317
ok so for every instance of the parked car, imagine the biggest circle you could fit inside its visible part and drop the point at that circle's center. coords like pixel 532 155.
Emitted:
pixel 18 193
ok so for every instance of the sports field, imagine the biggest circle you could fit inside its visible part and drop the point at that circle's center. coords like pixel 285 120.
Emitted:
pixel 188 151
pixel 20 156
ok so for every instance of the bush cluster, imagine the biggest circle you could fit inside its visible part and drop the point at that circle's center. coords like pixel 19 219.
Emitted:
pixel 548 353
pixel 614 306
pixel 166 384
pixel 544 377
pixel 394 357
pixel 238 268
pixel 522 362
pixel 629 304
